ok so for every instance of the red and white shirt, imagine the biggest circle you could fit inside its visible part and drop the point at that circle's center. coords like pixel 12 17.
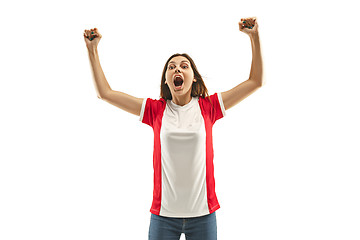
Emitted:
pixel 184 183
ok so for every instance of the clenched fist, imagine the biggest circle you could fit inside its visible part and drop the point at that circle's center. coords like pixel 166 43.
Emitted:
pixel 249 26
pixel 92 38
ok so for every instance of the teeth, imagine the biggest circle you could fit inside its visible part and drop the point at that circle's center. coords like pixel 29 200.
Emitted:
pixel 178 76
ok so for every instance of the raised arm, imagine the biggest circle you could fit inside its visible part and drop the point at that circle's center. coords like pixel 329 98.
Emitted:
pixel 255 81
pixel 121 100
pixel 102 87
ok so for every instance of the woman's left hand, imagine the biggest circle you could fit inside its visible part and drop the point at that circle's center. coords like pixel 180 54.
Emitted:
pixel 250 27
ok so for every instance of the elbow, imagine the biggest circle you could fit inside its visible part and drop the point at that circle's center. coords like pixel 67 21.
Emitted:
pixel 103 94
pixel 259 82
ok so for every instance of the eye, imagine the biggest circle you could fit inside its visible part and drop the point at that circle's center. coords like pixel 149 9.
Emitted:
pixel 171 67
pixel 185 66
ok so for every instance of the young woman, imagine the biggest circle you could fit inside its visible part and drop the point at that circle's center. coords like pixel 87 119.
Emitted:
pixel 184 198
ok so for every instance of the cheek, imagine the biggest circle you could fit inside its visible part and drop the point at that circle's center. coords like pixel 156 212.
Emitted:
pixel 190 77
pixel 168 81
pixel 167 77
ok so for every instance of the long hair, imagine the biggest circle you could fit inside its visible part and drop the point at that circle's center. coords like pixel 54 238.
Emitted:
pixel 198 88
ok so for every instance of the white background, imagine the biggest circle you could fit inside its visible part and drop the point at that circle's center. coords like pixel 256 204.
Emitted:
pixel 286 158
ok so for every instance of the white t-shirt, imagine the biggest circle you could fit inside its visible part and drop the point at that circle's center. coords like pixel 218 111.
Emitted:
pixel 184 183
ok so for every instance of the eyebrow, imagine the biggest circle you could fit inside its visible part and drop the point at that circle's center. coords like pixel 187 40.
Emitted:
pixel 181 61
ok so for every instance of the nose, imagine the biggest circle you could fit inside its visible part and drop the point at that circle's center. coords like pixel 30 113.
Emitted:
pixel 177 70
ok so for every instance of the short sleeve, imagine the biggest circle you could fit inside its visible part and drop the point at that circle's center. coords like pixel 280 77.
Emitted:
pixel 142 109
pixel 218 104
pixel 150 110
pixel 213 107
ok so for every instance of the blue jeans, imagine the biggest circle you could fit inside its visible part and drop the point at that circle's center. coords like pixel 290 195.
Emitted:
pixel 196 228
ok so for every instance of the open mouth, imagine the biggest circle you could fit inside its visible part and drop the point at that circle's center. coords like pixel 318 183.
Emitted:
pixel 178 82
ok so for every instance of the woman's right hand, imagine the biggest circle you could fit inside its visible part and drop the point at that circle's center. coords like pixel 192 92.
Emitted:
pixel 92 38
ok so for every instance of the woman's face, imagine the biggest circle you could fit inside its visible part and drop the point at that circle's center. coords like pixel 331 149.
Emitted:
pixel 179 66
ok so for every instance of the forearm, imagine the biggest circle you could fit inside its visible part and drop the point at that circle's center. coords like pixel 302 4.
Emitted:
pixel 101 84
pixel 256 72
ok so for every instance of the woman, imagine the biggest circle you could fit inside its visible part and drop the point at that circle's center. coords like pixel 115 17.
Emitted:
pixel 184 198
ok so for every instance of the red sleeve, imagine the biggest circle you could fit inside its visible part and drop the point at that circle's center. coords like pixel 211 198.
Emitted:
pixel 215 109
pixel 217 101
pixel 150 110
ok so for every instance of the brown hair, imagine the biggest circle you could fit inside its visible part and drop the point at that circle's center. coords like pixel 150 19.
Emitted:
pixel 198 88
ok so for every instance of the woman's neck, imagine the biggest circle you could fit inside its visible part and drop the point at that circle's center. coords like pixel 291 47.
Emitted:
pixel 181 100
